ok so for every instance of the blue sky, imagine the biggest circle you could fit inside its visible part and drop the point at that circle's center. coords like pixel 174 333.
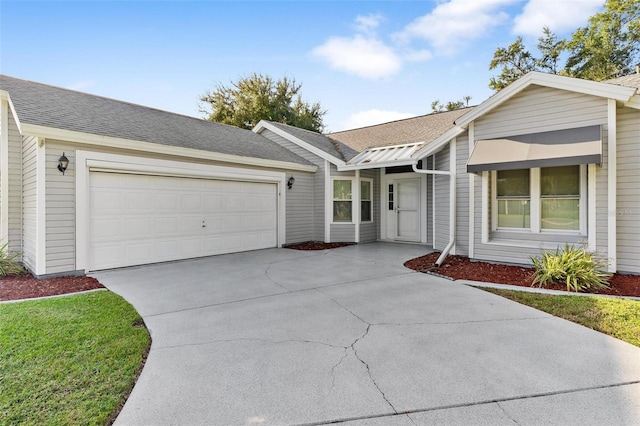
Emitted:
pixel 364 61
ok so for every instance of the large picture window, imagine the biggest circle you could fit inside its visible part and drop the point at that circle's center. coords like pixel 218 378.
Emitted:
pixel 539 199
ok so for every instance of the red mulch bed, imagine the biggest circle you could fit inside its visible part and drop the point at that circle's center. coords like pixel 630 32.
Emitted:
pixel 459 267
pixel 316 245
pixel 25 286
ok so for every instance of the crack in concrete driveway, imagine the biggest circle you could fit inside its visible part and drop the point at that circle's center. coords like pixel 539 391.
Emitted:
pixel 350 336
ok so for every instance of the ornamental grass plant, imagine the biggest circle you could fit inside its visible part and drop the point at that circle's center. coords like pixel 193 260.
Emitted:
pixel 9 261
pixel 579 269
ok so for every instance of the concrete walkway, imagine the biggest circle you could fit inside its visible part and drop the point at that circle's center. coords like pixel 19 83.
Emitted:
pixel 350 336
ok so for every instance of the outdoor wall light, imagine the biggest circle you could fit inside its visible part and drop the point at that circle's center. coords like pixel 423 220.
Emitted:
pixel 63 163
pixel 290 182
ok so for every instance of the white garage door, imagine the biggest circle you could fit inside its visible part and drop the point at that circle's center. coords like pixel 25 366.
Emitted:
pixel 138 219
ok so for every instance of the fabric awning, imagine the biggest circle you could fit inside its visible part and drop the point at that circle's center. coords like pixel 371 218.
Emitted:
pixel 548 149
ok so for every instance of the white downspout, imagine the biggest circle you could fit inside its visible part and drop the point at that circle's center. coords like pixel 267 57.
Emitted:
pixel 452 209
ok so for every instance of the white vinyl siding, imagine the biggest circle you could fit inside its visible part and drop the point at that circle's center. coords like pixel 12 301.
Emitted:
pixel 534 110
pixel 628 208
pixel 304 223
pixel 29 202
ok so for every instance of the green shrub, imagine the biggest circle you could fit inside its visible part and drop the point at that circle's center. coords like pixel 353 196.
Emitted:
pixel 9 262
pixel 575 266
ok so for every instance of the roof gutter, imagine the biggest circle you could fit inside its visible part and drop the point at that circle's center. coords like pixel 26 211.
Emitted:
pixel 452 208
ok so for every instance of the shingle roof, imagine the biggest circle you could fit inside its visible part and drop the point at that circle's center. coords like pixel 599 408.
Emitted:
pixel 320 141
pixel 424 128
pixel 632 80
pixel 50 106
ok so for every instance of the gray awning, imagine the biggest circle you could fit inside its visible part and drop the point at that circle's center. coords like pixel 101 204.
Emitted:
pixel 548 149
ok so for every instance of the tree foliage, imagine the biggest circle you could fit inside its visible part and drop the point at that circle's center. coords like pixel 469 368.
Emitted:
pixel 437 106
pixel 609 46
pixel 259 97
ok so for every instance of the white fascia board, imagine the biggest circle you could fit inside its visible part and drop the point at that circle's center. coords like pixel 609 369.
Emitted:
pixel 302 144
pixel 634 102
pixel 587 87
pixel 129 144
pixel 439 143
pixel 4 95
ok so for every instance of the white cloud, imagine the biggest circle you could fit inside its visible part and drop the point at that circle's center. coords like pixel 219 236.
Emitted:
pixel 453 24
pixel 373 116
pixel 365 57
pixel 558 15
pixel 367 24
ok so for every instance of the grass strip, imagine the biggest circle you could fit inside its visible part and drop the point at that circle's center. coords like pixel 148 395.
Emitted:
pixel 619 318
pixel 68 360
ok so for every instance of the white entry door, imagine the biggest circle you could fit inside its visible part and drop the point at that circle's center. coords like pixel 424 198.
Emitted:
pixel 139 219
pixel 408 210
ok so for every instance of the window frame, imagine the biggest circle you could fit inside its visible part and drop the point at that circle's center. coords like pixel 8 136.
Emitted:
pixel 370 200
pixel 334 199
pixel 535 205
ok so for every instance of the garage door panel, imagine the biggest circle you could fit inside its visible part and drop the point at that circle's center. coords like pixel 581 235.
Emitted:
pixel 138 219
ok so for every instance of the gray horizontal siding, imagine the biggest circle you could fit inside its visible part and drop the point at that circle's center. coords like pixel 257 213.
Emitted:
pixel 442 183
pixel 371 231
pixel 299 201
pixel 60 199
pixel 628 202
pixel 15 186
pixel 462 195
pixel 29 202
pixel 540 109
pixel 314 219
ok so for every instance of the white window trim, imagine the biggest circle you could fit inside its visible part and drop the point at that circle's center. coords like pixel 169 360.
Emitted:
pixel 535 205
pixel 333 199
pixel 370 200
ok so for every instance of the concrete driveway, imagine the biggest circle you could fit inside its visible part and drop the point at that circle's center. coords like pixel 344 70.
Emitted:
pixel 350 336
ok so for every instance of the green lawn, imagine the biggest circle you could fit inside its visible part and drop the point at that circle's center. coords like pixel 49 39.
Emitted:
pixel 68 360
pixel 619 318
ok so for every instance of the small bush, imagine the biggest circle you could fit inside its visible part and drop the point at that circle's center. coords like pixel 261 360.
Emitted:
pixel 9 262
pixel 575 266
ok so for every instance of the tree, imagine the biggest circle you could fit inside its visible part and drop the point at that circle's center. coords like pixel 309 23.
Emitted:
pixel 259 97
pixel 436 106
pixel 609 46
pixel 515 61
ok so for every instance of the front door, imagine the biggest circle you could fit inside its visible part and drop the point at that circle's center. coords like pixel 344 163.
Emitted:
pixel 408 210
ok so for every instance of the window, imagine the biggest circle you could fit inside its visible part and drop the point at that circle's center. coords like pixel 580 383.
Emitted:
pixel 342 200
pixel 365 201
pixel 390 196
pixel 514 198
pixel 560 198
pixel 539 199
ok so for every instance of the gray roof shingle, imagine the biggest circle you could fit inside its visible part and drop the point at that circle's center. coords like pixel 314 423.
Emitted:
pixel 424 128
pixel 50 106
pixel 632 80
pixel 326 143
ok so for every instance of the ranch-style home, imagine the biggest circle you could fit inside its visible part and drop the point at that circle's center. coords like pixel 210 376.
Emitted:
pixel 90 183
